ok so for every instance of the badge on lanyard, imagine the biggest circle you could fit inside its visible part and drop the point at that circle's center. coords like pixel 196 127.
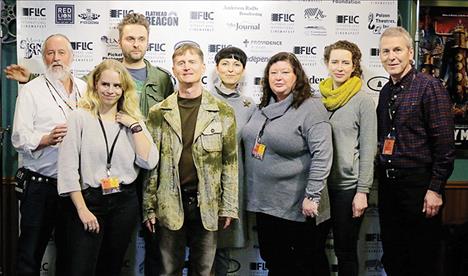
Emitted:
pixel 258 150
pixel 109 185
pixel 389 145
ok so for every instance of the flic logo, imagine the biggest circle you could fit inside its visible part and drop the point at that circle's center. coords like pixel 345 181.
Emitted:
pixel 282 17
pixel 305 50
pixel 119 13
pixel 214 48
pixel 347 19
pixel 201 15
pixel 82 45
pixel 38 12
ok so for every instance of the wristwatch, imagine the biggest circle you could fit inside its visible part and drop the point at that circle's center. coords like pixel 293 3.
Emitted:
pixel 135 128
pixel 311 198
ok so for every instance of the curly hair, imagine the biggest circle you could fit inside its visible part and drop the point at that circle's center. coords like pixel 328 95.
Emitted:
pixel 133 19
pixel 301 90
pixel 348 46
pixel 128 102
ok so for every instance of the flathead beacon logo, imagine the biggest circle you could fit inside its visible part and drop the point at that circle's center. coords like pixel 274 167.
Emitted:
pixel 162 18
pixel 283 17
pixel 64 14
pixel 34 12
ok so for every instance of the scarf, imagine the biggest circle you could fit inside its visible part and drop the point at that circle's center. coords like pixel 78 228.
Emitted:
pixel 334 99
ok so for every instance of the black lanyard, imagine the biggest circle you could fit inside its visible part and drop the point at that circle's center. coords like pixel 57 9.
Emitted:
pixel 75 88
pixel 111 152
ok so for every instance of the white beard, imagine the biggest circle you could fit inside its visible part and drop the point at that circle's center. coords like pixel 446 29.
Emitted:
pixel 58 73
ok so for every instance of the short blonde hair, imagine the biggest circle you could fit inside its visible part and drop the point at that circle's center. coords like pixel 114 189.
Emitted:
pixel 128 102
pixel 187 47
pixel 400 32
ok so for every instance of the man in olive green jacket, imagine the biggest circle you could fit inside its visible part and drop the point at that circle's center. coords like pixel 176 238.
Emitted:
pixel 195 185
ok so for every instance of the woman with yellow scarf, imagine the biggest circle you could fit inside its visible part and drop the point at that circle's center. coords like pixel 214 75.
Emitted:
pixel 354 127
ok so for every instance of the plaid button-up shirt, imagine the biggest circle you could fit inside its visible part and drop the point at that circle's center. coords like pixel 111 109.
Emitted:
pixel 422 124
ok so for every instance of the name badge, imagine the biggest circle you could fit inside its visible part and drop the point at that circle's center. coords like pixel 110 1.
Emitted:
pixel 258 150
pixel 388 146
pixel 110 185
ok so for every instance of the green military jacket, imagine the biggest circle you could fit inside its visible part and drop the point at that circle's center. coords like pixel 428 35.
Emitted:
pixel 157 87
pixel 214 154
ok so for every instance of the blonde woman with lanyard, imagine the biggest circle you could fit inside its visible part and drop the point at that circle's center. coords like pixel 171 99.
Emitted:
pixel 354 126
pixel 99 160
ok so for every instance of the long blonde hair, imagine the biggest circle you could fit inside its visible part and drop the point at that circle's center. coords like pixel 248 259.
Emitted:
pixel 128 102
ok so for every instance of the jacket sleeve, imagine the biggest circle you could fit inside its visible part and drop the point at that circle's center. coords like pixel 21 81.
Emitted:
pixel 229 204
pixel 154 123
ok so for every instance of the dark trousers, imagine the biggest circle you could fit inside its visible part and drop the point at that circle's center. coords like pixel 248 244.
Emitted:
pixel 102 253
pixel 221 262
pixel 321 264
pixel 152 261
pixel 40 215
pixel 411 242
pixel 287 247
pixel 345 231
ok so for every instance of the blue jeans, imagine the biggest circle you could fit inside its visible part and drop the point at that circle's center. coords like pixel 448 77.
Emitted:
pixel 102 253
pixel 345 231
pixel 201 243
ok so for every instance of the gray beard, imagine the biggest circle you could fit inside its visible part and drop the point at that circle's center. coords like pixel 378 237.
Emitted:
pixel 59 75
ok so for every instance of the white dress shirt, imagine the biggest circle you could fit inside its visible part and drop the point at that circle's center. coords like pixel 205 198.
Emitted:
pixel 41 105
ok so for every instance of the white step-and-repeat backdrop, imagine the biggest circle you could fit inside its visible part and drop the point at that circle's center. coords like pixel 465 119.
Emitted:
pixel 260 28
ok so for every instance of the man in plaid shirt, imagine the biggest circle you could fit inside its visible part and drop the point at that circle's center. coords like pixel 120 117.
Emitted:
pixel 416 155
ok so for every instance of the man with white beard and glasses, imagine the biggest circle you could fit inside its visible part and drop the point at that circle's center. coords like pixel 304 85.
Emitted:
pixel 39 126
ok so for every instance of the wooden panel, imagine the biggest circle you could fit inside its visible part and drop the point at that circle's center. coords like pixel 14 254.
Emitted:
pixel 456 203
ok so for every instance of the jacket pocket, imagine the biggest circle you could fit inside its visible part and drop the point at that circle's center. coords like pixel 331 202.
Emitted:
pixel 211 137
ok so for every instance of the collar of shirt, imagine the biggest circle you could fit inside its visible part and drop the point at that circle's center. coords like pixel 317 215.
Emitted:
pixel 225 92
pixel 73 97
pixel 404 83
